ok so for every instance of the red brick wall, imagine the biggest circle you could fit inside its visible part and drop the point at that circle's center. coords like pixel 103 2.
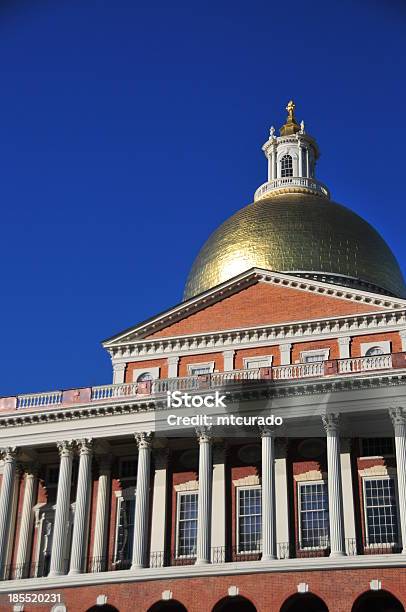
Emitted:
pixel 396 345
pixel 216 357
pixel 267 591
pixel 257 352
pixel 262 304
pixel 312 346
pixel 162 364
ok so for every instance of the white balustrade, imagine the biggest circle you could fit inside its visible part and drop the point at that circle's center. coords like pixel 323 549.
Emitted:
pixel 287 181
pixel 32 400
pixel 113 391
pixel 300 370
pixel 362 364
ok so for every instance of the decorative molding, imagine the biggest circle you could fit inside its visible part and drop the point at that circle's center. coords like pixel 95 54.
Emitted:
pixel 247 481
pixel 331 423
pixel 190 485
pixel 310 476
pixel 377 470
pixel 259 336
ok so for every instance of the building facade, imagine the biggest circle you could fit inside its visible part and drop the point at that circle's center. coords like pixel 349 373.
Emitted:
pixel 295 307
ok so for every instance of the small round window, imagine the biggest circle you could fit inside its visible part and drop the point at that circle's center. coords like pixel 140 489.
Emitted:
pixel 374 350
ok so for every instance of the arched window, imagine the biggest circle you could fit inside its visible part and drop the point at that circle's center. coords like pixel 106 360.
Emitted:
pixel 374 350
pixel 286 166
pixel 144 377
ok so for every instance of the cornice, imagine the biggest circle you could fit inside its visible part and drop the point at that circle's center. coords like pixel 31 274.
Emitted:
pixel 240 282
pixel 258 390
pixel 265 334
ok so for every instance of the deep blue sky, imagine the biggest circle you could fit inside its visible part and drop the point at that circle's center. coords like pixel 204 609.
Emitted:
pixel 129 131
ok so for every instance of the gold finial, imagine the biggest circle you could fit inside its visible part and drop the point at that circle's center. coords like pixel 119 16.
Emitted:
pixel 291 126
pixel 291 110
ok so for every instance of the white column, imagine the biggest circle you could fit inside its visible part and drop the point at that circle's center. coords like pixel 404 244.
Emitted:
pixel 173 367
pixel 300 155
pixel 218 506
pixel 275 163
pixel 81 521
pixel 268 495
pixel 205 496
pixel 344 347
pixel 58 562
pixel 285 350
pixel 402 335
pixel 118 373
pixel 9 456
pixel 270 155
pixel 26 524
pixel 228 357
pixel 282 502
pixel 141 519
pixel 399 424
pixel 347 487
pixel 335 494
pixel 307 163
pixel 159 498
pixel 99 562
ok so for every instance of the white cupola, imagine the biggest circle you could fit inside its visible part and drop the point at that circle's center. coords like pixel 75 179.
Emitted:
pixel 291 159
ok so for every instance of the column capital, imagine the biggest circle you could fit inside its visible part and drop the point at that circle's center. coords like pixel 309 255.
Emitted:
pixel 398 418
pixel 65 448
pixel 85 446
pixel 267 431
pixel 331 423
pixel 119 366
pixel 143 439
pixel 173 359
pixel 9 454
pixel 344 340
pixel 204 434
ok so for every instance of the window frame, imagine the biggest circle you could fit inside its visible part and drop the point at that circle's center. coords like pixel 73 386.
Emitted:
pixel 290 168
pixel 302 484
pixel 373 545
pixel 385 345
pixel 123 495
pixel 180 494
pixel 207 364
pixel 268 358
pixel 154 372
pixel 237 522
pixel 321 351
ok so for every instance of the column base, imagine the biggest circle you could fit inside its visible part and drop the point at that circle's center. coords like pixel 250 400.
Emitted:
pixel 202 562
pixel 268 557
pixel 56 573
pixel 338 554
pixel 74 572
pixel 137 566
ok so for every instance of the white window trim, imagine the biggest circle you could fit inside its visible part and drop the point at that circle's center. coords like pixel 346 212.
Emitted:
pixel 209 364
pixel 121 495
pixel 180 494
pixel 302 484
pixel 321 351
pixel 269 359
pixel 154 372
pixel 395 484
pixel 237 523
pixel 385 345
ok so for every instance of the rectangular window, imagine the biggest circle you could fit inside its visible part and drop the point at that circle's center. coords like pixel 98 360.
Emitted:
pixel 381 511
pixel 125 528
pixel 249 519
pixel 377 447
pixel 259 362
pixel 313 515
pixel 187 524
pixel 195 369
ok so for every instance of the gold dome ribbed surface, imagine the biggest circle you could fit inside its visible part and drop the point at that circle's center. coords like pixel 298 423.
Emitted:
pixel 296 233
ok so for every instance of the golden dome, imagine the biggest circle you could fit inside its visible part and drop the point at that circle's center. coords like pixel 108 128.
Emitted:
pixel 300 233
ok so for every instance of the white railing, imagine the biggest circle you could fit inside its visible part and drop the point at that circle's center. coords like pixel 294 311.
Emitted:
pixel 32 400
pixel 294 181
pixel 216 379
pixel 363 364
pixel 113 391
pixel 300 370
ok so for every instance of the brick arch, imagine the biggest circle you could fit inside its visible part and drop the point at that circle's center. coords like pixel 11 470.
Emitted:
pixel 377 601
pixel 300 602
pixel 234 604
